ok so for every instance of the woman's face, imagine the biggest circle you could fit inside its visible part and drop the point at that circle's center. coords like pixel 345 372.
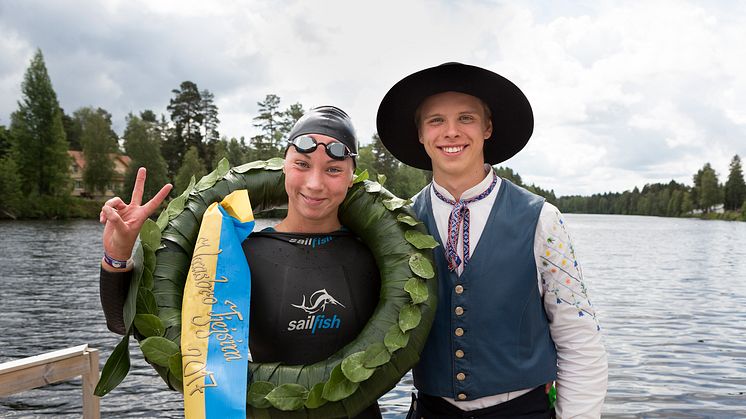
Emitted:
pixel 316 185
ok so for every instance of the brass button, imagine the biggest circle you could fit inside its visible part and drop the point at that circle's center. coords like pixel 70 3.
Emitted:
pixel 462 396
pixel 461 376
pixel 459 331
pixel 459 311
pixel 459 289
pixel 459 353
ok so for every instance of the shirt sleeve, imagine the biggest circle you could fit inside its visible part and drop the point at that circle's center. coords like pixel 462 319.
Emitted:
pixel 113 289
pixel 581 355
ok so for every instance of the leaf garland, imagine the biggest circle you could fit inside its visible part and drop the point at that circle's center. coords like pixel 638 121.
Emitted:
pixel 155 293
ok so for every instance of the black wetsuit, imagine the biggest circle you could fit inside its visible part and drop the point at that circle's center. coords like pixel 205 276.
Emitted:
pixel 311 294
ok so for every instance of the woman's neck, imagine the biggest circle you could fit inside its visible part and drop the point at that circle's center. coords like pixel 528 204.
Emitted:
pixel 292 224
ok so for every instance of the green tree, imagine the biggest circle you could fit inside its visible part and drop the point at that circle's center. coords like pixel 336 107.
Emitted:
pixel 220 151
pixel 5 141
pixel 148 116
pixel 290 116
pixel 210 119
pixel 99 142
pixel 707 193
pixel 687 205
pixel 408 181
pixel 10 188
pixel 365 158
pixel 270 122
pixel 73 131
pixel 383 161
pixel 39 143
pixel 187 115
pixel 735 188
pixel 237 151
pixel 142 145
pixel 192 166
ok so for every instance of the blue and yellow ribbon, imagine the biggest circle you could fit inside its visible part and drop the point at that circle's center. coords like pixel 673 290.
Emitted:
pixel 215 313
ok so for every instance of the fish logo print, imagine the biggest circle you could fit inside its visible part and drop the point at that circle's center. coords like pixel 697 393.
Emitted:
pixel 317 302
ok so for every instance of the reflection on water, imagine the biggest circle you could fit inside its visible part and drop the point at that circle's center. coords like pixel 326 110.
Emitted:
pixel 669 293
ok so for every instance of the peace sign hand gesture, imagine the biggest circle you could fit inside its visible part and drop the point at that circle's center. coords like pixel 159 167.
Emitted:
pixel 122 222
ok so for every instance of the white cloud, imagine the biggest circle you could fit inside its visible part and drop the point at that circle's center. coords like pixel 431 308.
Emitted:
pixel 623 93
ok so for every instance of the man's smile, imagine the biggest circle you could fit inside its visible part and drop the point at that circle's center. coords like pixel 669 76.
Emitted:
pixel 453 149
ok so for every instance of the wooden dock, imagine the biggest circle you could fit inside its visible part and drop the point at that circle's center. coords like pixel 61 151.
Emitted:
pixel 52 367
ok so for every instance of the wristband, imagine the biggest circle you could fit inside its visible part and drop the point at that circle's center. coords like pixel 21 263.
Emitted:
pixel 117 264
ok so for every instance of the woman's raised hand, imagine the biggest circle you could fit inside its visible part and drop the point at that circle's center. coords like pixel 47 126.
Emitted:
pixel 122 222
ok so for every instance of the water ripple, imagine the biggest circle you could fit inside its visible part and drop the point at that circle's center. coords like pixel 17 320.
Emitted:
pixel 669 294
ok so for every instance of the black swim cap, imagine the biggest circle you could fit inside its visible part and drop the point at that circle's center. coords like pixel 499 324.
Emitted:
pixel 326 120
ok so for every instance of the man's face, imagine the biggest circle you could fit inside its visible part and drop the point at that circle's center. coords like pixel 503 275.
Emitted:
pixel 316 184
pixel 453 127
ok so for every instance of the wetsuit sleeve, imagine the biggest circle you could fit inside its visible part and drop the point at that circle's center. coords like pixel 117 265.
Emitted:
pixel 113 288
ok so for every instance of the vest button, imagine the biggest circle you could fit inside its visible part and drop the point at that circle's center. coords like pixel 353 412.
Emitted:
pixel 459 311
pixel 459 353
pixel 461 396
pixel 459 289
pixel 459 331
pixel 461 376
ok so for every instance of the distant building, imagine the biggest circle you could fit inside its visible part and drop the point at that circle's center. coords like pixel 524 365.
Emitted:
pixel 116 183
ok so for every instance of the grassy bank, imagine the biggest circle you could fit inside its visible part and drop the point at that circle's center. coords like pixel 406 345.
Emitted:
pixel 53 207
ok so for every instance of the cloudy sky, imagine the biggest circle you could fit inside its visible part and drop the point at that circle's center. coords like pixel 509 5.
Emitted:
pixel 624 93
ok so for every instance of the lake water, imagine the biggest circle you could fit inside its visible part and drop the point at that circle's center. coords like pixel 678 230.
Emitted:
pixel 670 295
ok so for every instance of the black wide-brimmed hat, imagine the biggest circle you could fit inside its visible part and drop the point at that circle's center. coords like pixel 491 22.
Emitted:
pixel 512 117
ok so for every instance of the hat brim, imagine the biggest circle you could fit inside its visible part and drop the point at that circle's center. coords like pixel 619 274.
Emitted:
pixel 512 117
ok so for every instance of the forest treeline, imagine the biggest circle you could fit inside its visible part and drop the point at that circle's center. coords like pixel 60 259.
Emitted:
pixel 35 179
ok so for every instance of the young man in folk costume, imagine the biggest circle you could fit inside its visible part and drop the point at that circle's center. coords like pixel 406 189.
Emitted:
pixel 306 268
pixel 513 312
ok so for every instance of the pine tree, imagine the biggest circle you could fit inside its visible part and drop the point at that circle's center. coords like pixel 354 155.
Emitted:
pixel 268 144
pixel 186 114
pixel 39 142
pixel 735 188
pixel 99 142
pixel 290 117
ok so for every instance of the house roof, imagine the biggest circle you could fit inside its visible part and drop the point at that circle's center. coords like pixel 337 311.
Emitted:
pixel 79 158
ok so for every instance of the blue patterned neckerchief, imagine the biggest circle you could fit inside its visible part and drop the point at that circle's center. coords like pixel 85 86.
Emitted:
pixel 460 215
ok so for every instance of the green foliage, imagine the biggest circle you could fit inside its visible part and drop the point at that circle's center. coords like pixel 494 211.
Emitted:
pixel 10 189
pixel 661 199
pixel 39 143
pixel 191 167
pixel 98 141
pixel 269 121
pixel 5 141
pixel 735 188
pixel 142 145
pixel 514 177
pixel 58 207
pixel 706 188
pixel 73 131
pixel 401 180
pixel 115 369
pixel 195 118
pixel 219 151
pixel 274 125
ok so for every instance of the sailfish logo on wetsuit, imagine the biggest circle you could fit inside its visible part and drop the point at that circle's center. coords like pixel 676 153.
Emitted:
pixel 313 322
pixel 318 301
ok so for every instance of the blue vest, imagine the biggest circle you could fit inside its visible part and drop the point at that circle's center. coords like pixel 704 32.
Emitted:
pixel 491 333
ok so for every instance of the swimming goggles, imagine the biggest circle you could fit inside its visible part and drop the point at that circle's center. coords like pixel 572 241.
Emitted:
pixel 307 144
